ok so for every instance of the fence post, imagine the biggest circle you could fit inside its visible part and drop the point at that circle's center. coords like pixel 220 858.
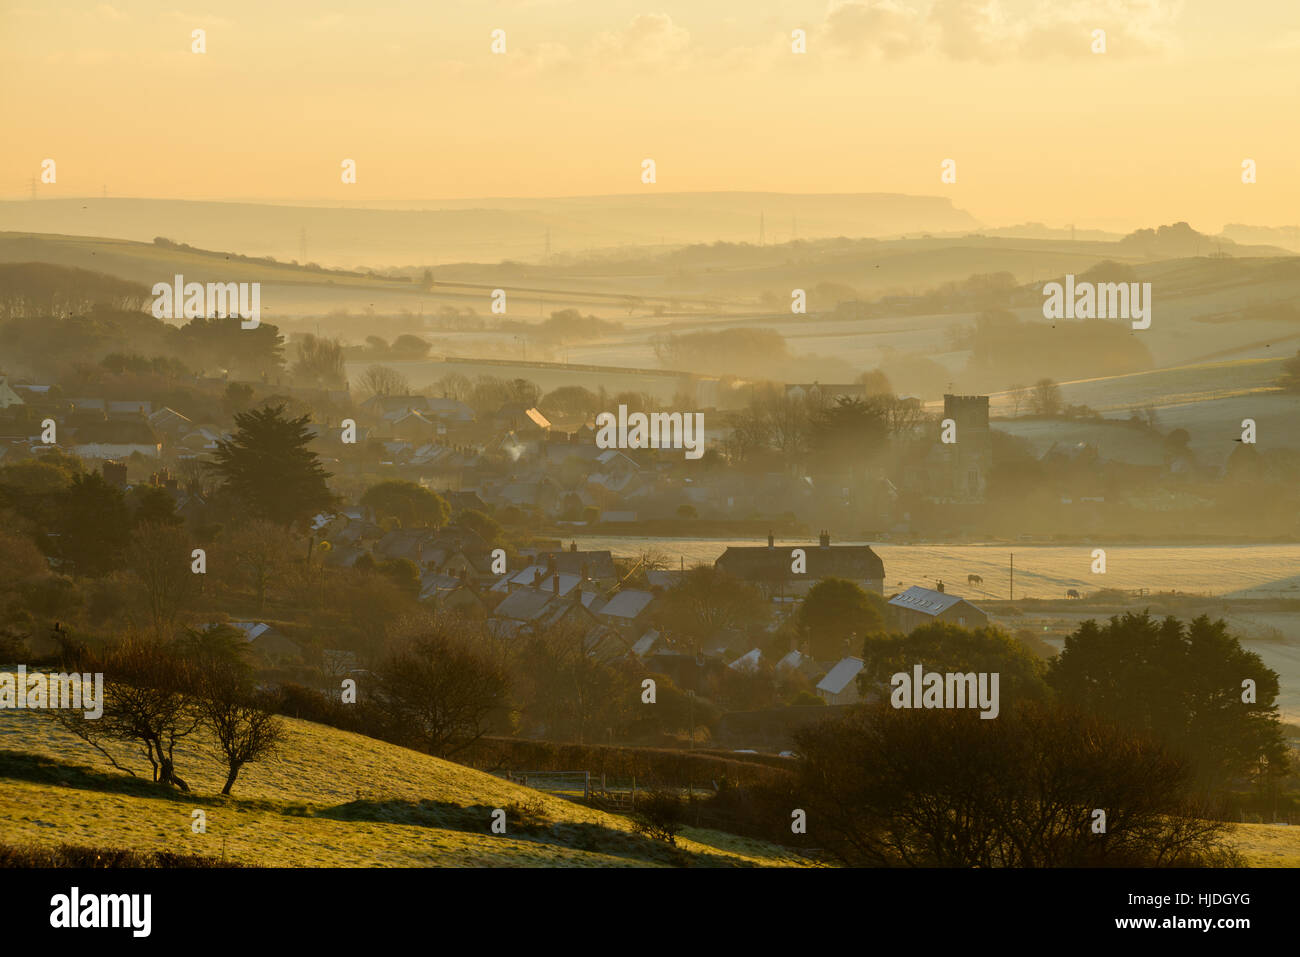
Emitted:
pixel 586 785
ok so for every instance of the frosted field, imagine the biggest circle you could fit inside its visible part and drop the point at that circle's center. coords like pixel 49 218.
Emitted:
pixel 1042 571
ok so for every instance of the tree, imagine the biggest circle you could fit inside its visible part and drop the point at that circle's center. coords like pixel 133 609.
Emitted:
pixel 242 730
pixel 1184 684
pixel 946 648
pixel 439 691
pixel 258 551
pixel 268 467
pixel 159 555
pixel 486 527
pixel 149 700
pixel 409 347
pixel 1046 398
pixel 849 430
pixel 943 788
pixel 93 523
pixel 1019 396
pixel 383 380
pixel 570 400
pixel 707 600
pixel 410 504
pixel 320 362
pixel 154 506
pixel 835 610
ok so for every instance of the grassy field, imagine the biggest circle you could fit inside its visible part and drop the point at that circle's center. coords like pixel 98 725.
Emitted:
pixel 332 799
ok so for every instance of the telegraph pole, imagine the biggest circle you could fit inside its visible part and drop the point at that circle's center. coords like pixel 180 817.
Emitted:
pixel 1012 595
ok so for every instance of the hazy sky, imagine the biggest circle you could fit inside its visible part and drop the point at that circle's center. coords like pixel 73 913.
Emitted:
pixel 1152 131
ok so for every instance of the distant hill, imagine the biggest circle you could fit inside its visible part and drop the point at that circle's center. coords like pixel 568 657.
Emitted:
pixel 486 230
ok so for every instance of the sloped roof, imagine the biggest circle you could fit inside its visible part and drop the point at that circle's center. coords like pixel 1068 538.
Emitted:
pixel 925 600
pixel 793 660
pixel 838 678
pixel 599 564
pixel 627 604
pixel 749 661
pixel 523 605
pixel 759 562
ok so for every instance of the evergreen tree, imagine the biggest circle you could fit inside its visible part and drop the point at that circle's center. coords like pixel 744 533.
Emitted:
pixel 268 467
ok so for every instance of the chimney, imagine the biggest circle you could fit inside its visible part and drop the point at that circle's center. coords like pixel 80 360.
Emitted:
pixel 573 546
pixel 939 586
pixel 825 539
pixel 555 584
pixel 771 540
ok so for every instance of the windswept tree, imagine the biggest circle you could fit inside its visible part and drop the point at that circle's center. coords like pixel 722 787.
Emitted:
pixel 268 467
pixel 242 728
pixel 149 701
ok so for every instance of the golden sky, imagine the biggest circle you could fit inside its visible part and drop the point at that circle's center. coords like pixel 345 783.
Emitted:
pixel 1041 128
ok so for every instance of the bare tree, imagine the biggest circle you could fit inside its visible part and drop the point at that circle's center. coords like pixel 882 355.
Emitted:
pixel 242 730
pixel 440 692
pixel 149 701
pixel 1046 398
pixel 260 551
pixel 383 380
pixel 1019 396
pixel 160 557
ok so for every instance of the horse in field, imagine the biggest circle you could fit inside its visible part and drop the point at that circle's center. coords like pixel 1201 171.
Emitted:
pixel 974 580
pixel 1073 593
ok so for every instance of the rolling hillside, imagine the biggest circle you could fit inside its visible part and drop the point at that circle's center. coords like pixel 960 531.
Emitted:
pixel 332 799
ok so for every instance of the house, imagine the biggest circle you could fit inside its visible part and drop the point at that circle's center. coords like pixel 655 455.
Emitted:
pixel 523 419
pixel 115 439
pixel 629 609
pixel 647 643
pixel 770 568
pixel 840 685
pixel 919 606
pixel 410 425
pixel 449 592
pixel 129 409
pixel 748 662
pixel 819 394
pixel 265 640
pixel 595 565
pixel 410 543
pixel 8 396
pixel 171 422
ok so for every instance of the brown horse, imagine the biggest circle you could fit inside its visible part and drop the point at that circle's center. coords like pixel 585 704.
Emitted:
pixel 974 580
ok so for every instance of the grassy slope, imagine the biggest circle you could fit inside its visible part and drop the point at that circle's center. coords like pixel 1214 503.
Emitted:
pixel 332 799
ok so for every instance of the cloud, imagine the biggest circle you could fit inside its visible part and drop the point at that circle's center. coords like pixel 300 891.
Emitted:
pixel 649 39
pixel 984 30
pixel 857 27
